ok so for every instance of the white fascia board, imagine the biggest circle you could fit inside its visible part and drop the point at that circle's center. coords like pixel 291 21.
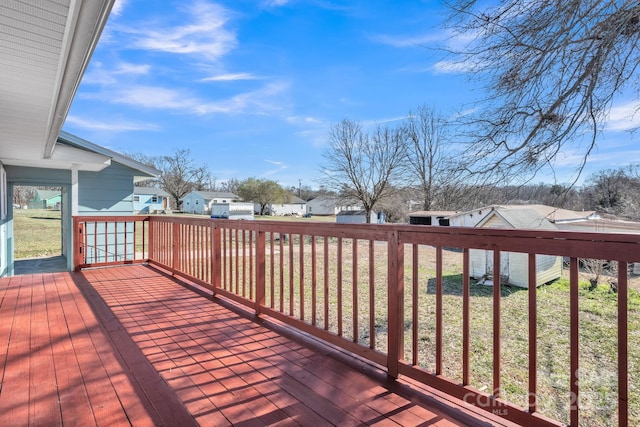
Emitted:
pixel 84 26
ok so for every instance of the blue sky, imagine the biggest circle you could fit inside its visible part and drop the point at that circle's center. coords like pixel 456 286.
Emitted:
pixel 251 87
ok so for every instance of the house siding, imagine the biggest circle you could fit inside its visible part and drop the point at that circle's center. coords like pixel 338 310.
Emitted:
pixel 193 203
pixel 109 191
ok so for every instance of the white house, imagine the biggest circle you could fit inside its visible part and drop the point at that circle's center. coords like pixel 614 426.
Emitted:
pixel 148 200
pixel 293 205
pixel 324 205
pixel 200 202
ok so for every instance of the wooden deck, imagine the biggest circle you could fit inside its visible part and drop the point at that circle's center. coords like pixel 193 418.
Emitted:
pixel 134 346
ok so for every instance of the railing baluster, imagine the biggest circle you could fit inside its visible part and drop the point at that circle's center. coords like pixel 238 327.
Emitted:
pixel 260 271
pixel 414 305
pixel 244 263
pixel 497 285
pixel 281 276
pixel 301 277
pixel 251 261
pixel 236 264
pixel 533 335
pixel 291 270
pixel 466 316
pixel 326 282
pixel 439 310
pixel 623 337
pixel 339 285
pixel 372 296
pixel 354 288
pixel 314 281
pixel 272 269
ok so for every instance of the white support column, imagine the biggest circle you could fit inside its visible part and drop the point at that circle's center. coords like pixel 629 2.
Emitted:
pixel 74 190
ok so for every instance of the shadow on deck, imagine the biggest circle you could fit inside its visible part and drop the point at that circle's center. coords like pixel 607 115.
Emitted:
pixel 130 346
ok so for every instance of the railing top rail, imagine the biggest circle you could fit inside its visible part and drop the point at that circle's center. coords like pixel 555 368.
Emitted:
pixel 612 246
pixel 112 218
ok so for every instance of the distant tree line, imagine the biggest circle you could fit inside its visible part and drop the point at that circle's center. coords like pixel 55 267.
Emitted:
pixel 427 180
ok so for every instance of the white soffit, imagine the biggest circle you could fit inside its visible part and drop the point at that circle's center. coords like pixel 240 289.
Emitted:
pixel 64 157
pixel 45 46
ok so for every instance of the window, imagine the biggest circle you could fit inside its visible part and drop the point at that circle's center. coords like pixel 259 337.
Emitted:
pixel 154 199
pixel 136 198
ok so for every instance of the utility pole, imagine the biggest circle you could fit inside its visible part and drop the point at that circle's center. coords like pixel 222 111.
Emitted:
pixel 299 188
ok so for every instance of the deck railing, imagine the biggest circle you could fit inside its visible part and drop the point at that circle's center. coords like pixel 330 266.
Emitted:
pixel 413 300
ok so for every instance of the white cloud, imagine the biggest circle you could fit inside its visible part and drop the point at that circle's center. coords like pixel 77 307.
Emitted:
pixel 112 125
pixel 280 167
pixel 453 67
pixel 303 120
pixel 231 77
pixel 127 68
pixel 624 117
pixel 260 101
pixel 406 41
pixel 275 3
pixel 205 34
pixel 101 75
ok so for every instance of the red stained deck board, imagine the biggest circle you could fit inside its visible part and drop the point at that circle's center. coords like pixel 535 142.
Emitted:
pixel 43 393
pixel 132 345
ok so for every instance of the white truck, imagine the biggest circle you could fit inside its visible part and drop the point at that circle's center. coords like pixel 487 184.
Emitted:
pixel 232 210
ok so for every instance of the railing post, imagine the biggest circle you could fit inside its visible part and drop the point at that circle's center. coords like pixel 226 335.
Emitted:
pixel 78 244
pixel 175 261
pixel 260 270
pixel 151 253
pixel 216 267
pixel 395 304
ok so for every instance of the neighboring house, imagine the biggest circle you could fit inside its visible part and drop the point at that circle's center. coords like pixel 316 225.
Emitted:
pixel 38 82
pixel 46 199
pixel 514 266
pixel 293 205
pixel 323 205
pixel 355 217
pixel 149 200
pixel 201 202
pixel 439 218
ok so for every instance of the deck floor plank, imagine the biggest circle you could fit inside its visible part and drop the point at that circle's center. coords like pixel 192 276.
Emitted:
pixel 14 396
pixel 75 407
pixel 44 408
pixel 133 346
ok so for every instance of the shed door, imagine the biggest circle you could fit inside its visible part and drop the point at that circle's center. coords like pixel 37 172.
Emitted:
pixel 504 264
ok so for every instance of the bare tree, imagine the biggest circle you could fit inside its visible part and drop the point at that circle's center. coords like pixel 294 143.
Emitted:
pixel 22 195
pixel 431 166
pixel 553 68
pixel 179 175
pixel 364 167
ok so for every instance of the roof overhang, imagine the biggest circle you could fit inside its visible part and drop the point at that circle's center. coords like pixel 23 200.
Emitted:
pixel 45 47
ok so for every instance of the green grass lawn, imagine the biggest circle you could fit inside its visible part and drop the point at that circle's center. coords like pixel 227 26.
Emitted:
pixel 37 233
